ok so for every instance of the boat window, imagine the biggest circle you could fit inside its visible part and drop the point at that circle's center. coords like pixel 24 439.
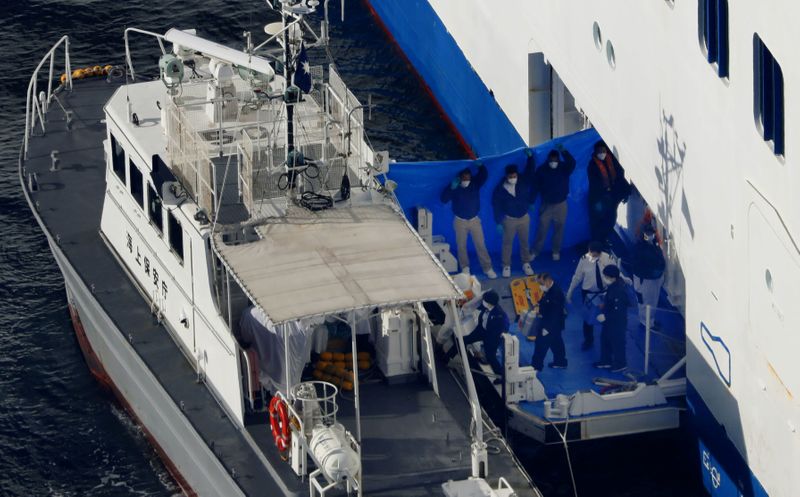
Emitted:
pixel 175 235
pixel 136 185
pixel 713 17
pixel 118 159
pixel 155 210
pixel 768 101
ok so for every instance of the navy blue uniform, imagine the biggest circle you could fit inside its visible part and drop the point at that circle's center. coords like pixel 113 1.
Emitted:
pixel 551 308
pixel 466 201
pixel 491 335
pixel 612 340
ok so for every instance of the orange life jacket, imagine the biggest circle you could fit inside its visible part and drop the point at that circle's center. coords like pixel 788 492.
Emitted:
pixel 607 171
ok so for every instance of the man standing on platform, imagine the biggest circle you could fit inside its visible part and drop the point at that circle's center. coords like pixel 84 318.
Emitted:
pixel 464 192
pixel 511 201
pixel 607 188
pixel 551 181
pixel 589 276
pixel 615 323
pixel 551 324
pixel 648 272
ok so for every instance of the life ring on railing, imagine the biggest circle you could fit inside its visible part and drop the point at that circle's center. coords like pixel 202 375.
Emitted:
pixel 279 423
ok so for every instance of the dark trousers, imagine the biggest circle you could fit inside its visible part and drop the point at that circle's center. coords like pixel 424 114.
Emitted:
pixel 553 341
pixel 602 218
pixel 612 345
pixel 490 346
pixel 588 329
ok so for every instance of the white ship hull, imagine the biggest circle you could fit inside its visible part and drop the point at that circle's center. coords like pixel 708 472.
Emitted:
pixel 691 145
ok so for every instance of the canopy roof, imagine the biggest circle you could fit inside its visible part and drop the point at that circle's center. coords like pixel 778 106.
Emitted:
pixel 310 264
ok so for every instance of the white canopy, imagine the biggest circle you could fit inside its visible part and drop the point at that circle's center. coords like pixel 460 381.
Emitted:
pixel 310 264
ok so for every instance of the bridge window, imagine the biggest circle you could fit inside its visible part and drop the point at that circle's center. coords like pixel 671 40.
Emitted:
pixel 714 29
pixel 155 210
pixel 118 159
pixel 768 86
pixel 175 235
pixel 136 185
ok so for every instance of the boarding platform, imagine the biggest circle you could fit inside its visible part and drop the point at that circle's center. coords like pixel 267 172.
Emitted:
pixel 648 396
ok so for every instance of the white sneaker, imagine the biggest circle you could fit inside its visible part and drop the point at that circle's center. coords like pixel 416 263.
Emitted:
pixel 556 256
pixel 491 274
pixel 507 272
pixel 465 270
pixel 528 269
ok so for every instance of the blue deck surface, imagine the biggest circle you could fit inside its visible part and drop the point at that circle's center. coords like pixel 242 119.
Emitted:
pixel 667 344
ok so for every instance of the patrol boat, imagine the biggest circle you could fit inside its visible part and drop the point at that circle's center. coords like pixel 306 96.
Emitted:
pixel 216 228
pixel 696 99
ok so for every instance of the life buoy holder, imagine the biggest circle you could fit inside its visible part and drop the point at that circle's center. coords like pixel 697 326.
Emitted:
pixel 279 423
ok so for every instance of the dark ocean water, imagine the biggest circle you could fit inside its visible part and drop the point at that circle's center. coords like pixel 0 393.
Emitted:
pixel 60 433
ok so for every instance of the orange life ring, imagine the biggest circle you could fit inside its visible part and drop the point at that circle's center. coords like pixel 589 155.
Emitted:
pixel 279 423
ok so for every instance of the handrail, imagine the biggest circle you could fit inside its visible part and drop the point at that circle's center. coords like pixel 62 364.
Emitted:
pixel 648 331
pixel 33 105
pixel 128 59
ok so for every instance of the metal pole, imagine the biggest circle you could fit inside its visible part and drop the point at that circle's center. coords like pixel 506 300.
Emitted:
pixel 356 395
pixel 286 358
pixel 478 445
pixel 647 339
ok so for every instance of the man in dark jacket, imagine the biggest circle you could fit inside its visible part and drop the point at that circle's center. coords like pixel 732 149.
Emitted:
pixel 648 272
pixel 511 201
pixel 492 323
pixel 615 322
pixel 607 188
pixel 551 324
pixel 464 192
pixel 551 181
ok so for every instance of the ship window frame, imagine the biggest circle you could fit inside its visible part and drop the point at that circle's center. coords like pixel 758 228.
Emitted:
pixel 175 236
pixel 136 188
pixel 118 159
pixel 769 97
pixel 156 218
pixel 714 31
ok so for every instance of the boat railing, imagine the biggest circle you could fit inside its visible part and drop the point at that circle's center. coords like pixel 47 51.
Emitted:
pixel 650 313
pixel 37 102
pixel 128 59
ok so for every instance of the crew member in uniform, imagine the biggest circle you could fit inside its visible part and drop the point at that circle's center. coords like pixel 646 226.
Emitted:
pixel 607 188
pixel 615 322
pixel 589 276
pixel 464 192
pixel 492 323
pixel 511 201
pixel 551 182
pixel 648 272
pixel 551 324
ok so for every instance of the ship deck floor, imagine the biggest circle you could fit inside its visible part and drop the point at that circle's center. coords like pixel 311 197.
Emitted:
pixel 404 426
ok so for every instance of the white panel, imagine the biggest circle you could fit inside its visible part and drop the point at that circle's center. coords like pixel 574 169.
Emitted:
pixel 218 51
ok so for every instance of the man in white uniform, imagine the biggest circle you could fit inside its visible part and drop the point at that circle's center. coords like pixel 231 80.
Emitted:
pixel 589 276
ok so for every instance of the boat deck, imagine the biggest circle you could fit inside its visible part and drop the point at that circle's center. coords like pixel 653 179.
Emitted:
pixel 667 346
pixel 398 421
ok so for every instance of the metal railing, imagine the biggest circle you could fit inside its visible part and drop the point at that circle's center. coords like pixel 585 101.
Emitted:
pixel 648 332
pixel 36 102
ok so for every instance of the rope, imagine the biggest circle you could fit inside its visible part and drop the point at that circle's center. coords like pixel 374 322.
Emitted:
pixel 563 437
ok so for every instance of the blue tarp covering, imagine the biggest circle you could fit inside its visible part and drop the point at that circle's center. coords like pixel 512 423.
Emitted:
pixel 420 184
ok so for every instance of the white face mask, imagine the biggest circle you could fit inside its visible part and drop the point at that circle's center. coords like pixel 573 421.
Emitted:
pixel 601 155
pixel 593 258
pixel 553 164
pixel 488 306
pixel 464 183
pixel 648 238
pixel 512 180
pixel 545 288
pixel 608 281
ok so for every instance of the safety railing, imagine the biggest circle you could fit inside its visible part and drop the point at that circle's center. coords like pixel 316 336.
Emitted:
pixel 650 313
pixel 36 102
pixel 128 59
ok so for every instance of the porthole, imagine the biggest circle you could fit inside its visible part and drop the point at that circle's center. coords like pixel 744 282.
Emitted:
pixel 598 36
pixel 612 59
pixel 768 277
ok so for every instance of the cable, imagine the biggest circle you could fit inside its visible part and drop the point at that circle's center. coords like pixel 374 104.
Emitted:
pixel 315 201
pixel 563 437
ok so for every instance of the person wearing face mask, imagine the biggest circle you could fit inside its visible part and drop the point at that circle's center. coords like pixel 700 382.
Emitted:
pixel 615 322
pixel 589 277
pixel 464 193
pixel 492 322
pixel 648 272
pixel 551 181
pixel 511 201
pixel 551 324
pixel 607 188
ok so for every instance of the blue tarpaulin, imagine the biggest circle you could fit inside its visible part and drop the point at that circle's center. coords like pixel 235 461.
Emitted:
pixel 420 184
